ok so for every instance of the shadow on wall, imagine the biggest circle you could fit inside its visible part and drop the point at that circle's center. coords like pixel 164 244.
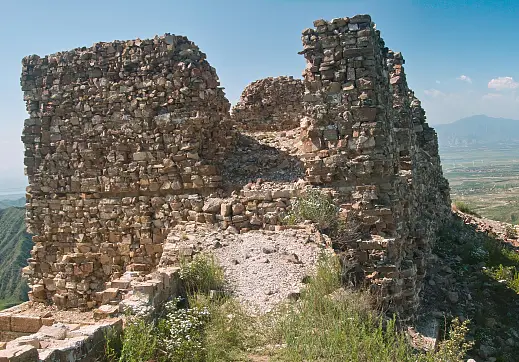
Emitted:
pixel 252 160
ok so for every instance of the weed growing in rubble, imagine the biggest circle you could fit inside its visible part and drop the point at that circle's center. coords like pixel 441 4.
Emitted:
pixel 183 332
pixel 465 208
pixel 316 207
pixel 508 275
pixel 321 210
pixel 201 275
pixel 138 342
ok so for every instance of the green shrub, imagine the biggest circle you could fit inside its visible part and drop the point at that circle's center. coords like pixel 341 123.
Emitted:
pixel 335 324
pixel 138 342
pixel 183 332
pixel 328 323
pixel 316 207
pixel 465 208
pixel 456 346
pixel 201 275
pixel 508 275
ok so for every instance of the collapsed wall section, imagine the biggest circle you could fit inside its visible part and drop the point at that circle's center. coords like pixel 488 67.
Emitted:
pixel 114 132
pixel 270 104
pixel 364 134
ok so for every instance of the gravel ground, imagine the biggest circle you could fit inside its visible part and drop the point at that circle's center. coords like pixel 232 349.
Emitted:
pixel 263 268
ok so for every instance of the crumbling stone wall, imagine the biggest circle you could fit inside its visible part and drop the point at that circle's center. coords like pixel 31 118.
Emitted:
pixel 365 134
pixel 114 131
pixel 270 104
pixel 125 140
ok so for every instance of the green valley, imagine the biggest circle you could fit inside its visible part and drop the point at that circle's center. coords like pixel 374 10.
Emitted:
pixel 15 245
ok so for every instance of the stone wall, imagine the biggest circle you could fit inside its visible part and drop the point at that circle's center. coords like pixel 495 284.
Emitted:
pixel 127 140
pixel 364 133
pixel 113 131
pixel 270 104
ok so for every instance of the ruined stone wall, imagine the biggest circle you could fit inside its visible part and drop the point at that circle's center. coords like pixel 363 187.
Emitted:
pixel 270 104
pixel 365 135
pixel 126 140
pixel 114 131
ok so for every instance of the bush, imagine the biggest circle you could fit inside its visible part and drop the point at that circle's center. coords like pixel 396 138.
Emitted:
pixel 201 275
pixel 316 207
pixel 183 332
pixel 465 208
pixel 328 323
pixel 456 346
pixel 138 342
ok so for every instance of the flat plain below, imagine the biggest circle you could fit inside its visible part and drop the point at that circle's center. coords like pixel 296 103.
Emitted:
pixel 487 179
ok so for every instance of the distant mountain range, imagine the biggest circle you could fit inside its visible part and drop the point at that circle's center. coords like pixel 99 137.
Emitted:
pixel 18 202
pixel 477 131
pixel 15 246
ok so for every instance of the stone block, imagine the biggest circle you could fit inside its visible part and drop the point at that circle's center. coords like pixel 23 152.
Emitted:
pixel 24 353
pixel 25 324
pixel 5 322
pixel 106 311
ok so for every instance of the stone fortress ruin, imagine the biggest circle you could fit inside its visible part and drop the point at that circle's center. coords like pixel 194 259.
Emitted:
pixel 127 140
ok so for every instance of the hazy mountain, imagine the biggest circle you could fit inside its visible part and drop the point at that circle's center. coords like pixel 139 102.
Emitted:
pixel 477 131
pixel 15 245
pixel 18 202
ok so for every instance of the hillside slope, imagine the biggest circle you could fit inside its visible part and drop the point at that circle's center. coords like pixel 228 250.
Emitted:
pixel 478 130
pixel 18 202
pixel 15 245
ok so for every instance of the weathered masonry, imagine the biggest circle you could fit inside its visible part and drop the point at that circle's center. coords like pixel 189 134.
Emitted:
pixel 114 131
pixel 364 134
pixel 126 140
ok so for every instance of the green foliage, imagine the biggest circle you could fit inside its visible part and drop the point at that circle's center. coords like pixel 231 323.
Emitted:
pixel 456 346
pixel 508 275
pixel 329 323
pixel 184 332
pixel 15 246
pixel 201 275
pixel 465 208
pixel 334 324
pixel 230 332
pixel 139 342
pixel 489 267
pixel 316 207
pixel 179 335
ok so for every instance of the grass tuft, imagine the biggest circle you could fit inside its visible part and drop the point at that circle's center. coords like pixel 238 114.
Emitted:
pixel 201 275
pixel 465 208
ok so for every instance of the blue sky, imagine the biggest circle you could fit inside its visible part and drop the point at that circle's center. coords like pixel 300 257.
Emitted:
pixel 461 56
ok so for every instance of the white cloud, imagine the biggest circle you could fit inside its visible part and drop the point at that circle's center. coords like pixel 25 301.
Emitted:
pixel 437 82
pixel 433 93
pixel 501 83
pixel 464 78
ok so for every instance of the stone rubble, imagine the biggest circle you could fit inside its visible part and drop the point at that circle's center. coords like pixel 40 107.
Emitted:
pixel 262 268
